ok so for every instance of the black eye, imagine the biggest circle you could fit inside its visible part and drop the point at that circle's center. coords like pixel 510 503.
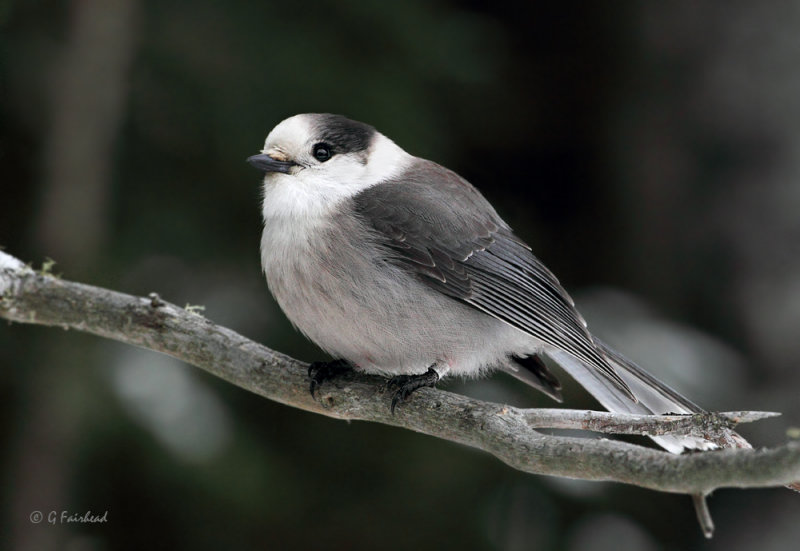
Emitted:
pixel 322 152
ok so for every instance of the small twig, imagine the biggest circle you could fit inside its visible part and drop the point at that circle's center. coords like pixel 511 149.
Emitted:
pixel 708 424
pixel 703 515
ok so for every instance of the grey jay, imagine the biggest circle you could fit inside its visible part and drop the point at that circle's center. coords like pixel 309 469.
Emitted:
pixel 397 266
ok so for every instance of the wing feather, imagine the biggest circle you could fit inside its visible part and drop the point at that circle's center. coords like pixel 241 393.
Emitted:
pixel 468 253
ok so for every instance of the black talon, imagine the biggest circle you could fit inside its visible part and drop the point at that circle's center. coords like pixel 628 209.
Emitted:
pixel 320 372
pixel 406 384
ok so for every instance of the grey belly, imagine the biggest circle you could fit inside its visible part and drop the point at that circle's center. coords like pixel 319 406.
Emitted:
pixel 381 318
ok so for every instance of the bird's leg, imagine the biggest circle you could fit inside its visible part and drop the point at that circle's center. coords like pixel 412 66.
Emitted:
pixel 406 384
pixel 320 372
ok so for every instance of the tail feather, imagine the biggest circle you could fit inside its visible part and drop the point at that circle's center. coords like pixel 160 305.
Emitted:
pixel 533 371
pixel 652 396
pixel 652 393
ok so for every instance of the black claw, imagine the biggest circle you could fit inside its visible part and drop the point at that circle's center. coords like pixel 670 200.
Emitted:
pixel 406 384
pixel 320 372
pixel 395 399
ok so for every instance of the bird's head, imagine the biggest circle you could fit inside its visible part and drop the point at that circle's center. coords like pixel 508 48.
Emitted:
pixel 327 157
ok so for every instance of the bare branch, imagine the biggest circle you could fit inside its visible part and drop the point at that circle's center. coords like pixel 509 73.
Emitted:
pixel 506 432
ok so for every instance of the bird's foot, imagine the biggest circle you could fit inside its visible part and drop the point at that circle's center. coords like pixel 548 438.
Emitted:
pixel 406 384
pixel 320 372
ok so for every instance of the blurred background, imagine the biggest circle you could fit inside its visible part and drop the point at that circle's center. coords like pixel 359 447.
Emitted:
pixel 649 152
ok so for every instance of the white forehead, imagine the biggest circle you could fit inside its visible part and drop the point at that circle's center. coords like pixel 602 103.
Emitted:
pixel 294 131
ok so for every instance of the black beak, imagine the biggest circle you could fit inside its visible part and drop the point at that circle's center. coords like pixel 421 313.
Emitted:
pixel 268 164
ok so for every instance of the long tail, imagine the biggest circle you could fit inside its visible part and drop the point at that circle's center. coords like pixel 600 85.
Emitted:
pixel 654 397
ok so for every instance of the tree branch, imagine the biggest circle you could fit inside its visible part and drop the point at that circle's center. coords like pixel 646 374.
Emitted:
pixel 506 432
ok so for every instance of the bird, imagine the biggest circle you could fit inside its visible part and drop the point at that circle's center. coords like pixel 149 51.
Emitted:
pixel 397 266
